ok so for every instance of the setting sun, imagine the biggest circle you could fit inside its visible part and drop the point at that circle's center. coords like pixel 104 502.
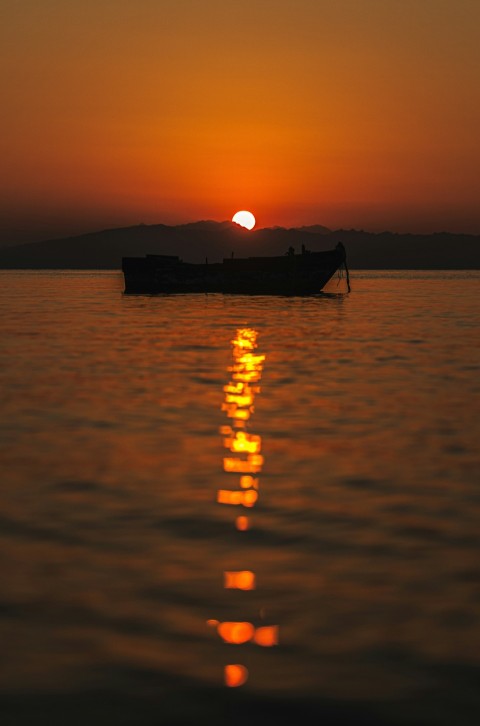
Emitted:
pixel 244 219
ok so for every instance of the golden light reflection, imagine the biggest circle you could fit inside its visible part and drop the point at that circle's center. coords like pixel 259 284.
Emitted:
pixel 252 465
pixel 242 523
pixel 235 675
pixel 247 377
pixel 242 580
pixel 247 498
pixel 233 411
pixel 241 400
pixel 247 482
pixel 266 636
pixel 246 461
pixel 242 442
pixel 234 388
pixel 236 633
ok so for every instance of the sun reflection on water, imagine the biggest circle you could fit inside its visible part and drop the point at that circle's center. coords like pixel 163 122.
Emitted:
pixel 245 460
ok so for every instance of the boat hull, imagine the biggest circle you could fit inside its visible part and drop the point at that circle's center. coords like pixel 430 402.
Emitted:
pixel 291 274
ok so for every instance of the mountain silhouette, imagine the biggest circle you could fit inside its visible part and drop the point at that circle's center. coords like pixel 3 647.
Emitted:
pixel 208 239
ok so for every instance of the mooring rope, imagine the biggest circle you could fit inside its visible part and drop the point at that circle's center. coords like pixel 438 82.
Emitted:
pixel 348 276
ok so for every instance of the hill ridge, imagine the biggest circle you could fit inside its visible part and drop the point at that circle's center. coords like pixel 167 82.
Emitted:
pixel 195 241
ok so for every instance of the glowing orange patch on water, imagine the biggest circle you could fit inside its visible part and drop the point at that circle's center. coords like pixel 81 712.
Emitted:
pixel 250 497
pixel 243 442
pixel 252 465
pixel 242 580
pixel 266 636
pixel 243 414
pixel 234 412
pixel 239 399
pixel 244 342
pixel 235 675
pixel 247 497
pixel 248 482
pixel 225 496
pixel 249 359
pixel 242 523
pixel 236 633
pixel 247 377
pixel 238 466
pixel 234 388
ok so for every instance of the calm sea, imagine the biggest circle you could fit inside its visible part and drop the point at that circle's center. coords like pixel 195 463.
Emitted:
pixel 287 486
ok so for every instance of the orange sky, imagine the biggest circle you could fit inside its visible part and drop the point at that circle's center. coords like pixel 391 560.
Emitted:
pixel 347 113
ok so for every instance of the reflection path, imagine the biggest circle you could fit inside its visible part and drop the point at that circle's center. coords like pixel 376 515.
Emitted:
pixel 243 464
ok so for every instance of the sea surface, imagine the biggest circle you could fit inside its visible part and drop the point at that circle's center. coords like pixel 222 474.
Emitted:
pixel 289 486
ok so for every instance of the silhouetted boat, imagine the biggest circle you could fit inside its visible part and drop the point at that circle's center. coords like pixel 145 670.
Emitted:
pixel 289 274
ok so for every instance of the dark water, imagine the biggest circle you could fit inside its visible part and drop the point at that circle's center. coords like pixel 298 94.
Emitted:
pixel 120 419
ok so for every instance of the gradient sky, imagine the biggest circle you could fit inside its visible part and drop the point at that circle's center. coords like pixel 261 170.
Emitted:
pixel 347 113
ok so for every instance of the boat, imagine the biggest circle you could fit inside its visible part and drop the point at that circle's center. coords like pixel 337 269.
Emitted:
pixel 289 274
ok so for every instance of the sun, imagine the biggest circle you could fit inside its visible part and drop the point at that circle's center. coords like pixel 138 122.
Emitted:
pixel 244 219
